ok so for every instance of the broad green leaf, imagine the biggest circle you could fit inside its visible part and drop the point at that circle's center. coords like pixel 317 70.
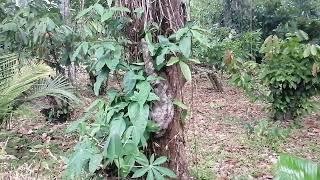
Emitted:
pixel 200 37
pixel 107 15
pixel 99 9
pixel 112 94
pixel 165 171
pixel 84 12
pixel 102 77
pixel 160 160
pixel 157 174
pixel 99 65
pixel 117 126
pixel 180 33
pixel 153 97
pixel 76 53
pixel 95 162
pixel 99 52
pixel 161 57
pixel 143 92
pixel 133 110
pixel 150 175
pixel 151 159
pixel 130 149
pixel 185 46
pixel 142 159
pixel 11 26
pixel 307 52
pixel 195 61
pixel 114 147
pixel 112 63
pixel 313 50
pixel 128 164
pixel 185 70
pixel 302 35
pixel 129 82
pixel 173 60
pixel 85 47
pixel 79 159
pixel 140 172
pixel 139 122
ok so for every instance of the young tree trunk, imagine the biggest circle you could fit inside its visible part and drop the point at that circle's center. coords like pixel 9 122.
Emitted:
pixel 170 15
pixel 65 12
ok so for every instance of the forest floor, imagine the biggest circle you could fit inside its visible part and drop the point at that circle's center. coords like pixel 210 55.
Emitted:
pixel 221 146
pixel 226 138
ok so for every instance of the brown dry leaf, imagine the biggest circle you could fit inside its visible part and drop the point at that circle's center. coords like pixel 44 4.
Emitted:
pixel 228 57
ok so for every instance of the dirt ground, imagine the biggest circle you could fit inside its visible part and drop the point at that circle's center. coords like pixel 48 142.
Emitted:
pixel 218 143
pixel 219 146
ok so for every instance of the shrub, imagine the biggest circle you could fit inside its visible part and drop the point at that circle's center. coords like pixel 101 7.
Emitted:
pixel 291 74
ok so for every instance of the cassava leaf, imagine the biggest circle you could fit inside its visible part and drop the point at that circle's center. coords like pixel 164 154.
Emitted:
pixel 160 160
pixel 140 172
pixel 165 171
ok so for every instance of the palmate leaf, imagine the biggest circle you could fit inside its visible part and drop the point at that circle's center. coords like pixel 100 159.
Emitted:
pixel 292 168
pixel 152 168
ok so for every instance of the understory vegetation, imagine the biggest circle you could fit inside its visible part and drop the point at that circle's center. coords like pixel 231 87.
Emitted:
pixel 171 89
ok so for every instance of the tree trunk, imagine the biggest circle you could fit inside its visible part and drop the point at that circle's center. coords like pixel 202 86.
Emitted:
pixel 170 15
pixel 65 12
pixel 172 143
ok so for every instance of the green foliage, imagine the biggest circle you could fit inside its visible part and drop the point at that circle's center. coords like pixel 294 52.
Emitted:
pixel 246 75
pixel 118 134
pixel 267 134
pixel 225 42
pixel 22 84
pixel 114 133
pixel 287 16
pixel 292 168
pixel 290 73
pixel 288 78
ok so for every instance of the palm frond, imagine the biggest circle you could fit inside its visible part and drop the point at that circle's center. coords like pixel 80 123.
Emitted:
pixel 292 168
pixel 58 87
pixel 15 81
pixel 18 85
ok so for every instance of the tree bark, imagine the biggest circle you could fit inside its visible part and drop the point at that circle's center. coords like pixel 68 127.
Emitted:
pixel 170 15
